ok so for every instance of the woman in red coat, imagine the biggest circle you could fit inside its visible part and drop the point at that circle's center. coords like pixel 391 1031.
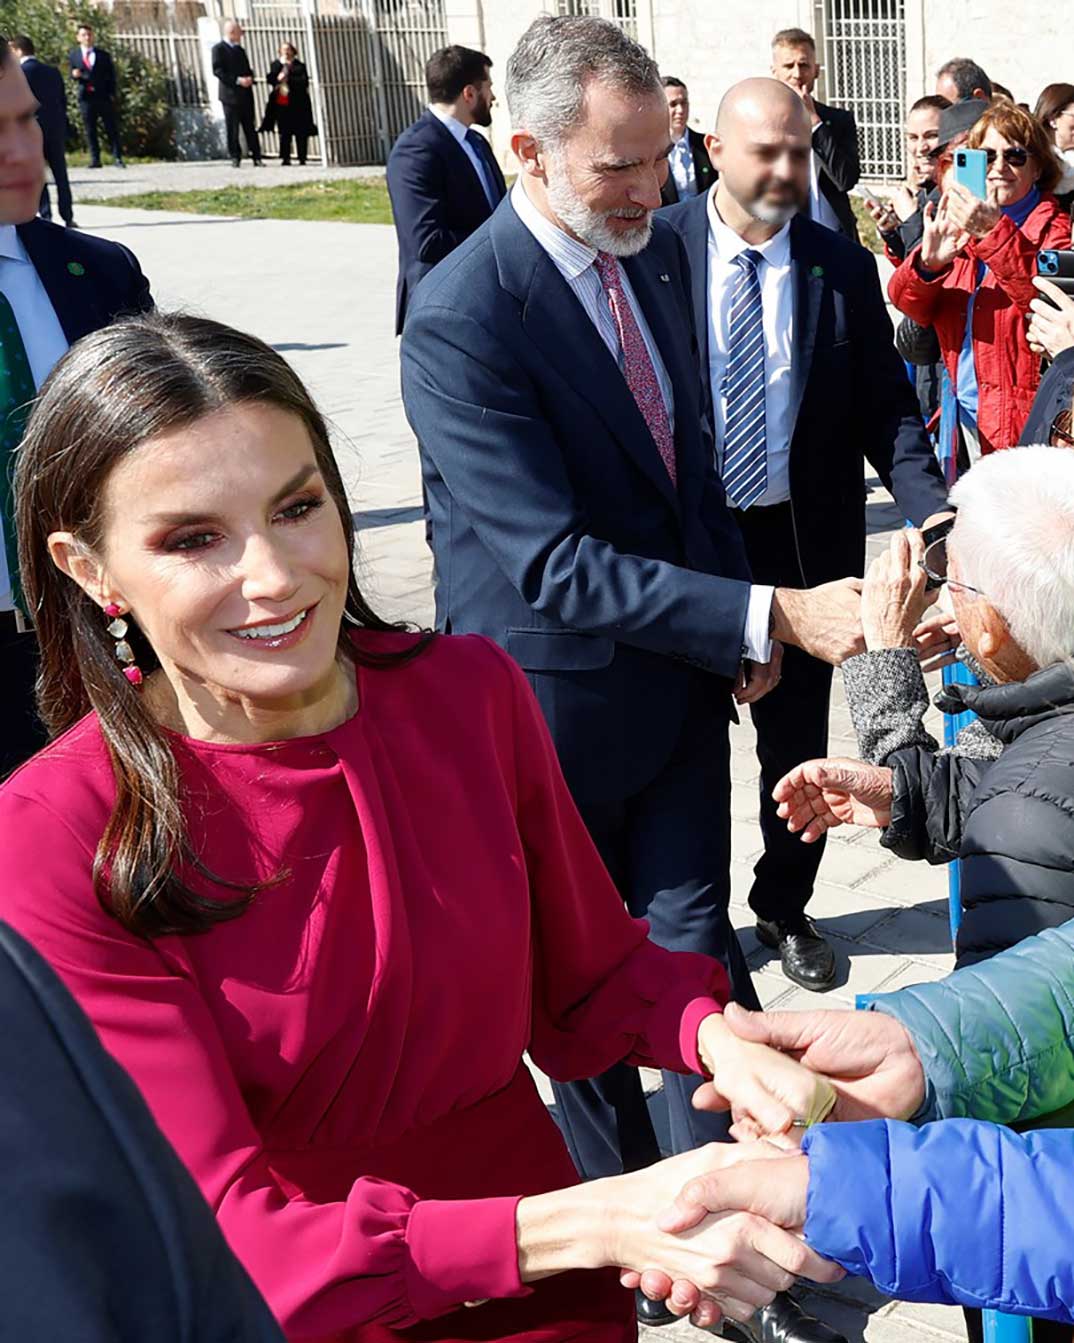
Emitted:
pixel 972 277
pixel 319 883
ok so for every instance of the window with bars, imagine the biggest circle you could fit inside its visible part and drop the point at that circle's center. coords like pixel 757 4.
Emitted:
pixel 864 63
pixel 622 12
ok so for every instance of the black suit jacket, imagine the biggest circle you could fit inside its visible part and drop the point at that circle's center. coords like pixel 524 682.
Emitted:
pixel 704 172
pixel 231 64
pixel 106 1236
pixel 437 201
pixel 835 143
pixel 99 84
pixel 90 282
pixel 46 84
pixel 554 523
pixel 851 398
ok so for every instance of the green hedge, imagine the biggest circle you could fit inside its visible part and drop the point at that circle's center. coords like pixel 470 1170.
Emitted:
pixel 145 120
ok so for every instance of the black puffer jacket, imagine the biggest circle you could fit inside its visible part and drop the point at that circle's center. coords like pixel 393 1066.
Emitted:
pixel 1011 821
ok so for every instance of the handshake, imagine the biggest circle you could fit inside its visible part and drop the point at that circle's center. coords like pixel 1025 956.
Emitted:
pixel 719 1231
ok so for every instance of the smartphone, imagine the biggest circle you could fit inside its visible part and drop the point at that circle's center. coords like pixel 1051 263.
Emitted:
pixel 1059 268
pixel 929 535
pixel 971 169
pixel 870 196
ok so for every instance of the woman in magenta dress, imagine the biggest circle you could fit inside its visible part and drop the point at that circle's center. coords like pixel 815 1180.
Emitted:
pixel 318 881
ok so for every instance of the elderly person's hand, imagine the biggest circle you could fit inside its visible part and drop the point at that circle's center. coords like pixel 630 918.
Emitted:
pixel 937 637
pixel 1051 325
pixel 822 794
pixel 894 598
pixel 971 214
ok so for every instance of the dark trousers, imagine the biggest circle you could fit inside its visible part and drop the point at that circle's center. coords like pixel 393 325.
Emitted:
pixel 668 850
pixel 238 115
pixel 791 723
pixel 301 146
pixel 22 732
pixel 91 109
pixel 56 158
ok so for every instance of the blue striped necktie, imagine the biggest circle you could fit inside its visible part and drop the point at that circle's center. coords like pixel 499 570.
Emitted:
pixel 480 146
pixel 745 458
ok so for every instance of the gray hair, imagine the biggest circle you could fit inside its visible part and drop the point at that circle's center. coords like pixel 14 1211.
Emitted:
pixel 1014 540
pixel 553 64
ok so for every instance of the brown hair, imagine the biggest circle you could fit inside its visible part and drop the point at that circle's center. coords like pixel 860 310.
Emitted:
pixel 794 37
pixel 935 101
pixel 1051 102
pixel 1019 127
pixel 107 396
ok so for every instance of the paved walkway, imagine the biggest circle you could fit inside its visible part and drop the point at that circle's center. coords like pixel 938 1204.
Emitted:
pixel 89 184
pixel 322 294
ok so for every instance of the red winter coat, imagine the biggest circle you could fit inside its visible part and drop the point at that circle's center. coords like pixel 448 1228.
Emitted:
pixel 1007 370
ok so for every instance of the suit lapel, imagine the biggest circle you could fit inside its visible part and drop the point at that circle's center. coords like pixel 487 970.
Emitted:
pixel 695 236
pixel 72 299
pixel 461 156
pixel 556 323
pixel 808 296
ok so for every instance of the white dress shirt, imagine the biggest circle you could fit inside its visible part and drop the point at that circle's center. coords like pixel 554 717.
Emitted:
pixel 574 261
pixel 458 130
pixel 41 332
pixel 681 162
pixel 89 56
pixel 820 210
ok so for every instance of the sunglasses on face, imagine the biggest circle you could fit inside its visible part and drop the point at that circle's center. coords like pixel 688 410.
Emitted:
pixel 1061 434
pixel 1015 157
pixel 934 563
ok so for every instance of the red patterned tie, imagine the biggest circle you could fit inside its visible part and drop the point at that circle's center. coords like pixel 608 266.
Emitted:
pixel 637 366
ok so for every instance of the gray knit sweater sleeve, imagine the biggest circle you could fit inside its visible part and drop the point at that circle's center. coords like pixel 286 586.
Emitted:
pixel 888 701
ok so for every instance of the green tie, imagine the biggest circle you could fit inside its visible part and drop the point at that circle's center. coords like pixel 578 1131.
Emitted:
pixel 17 392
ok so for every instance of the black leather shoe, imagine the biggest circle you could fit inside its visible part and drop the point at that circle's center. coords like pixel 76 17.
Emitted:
pixel 236 163
pixel 805 956
pixel 652 1313
pixel 784 1321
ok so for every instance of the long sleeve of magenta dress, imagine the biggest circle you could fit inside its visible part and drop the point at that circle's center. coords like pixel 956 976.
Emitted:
pixel 340 1066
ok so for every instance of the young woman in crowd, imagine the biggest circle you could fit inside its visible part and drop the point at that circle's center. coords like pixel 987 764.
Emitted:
pixel 972 277
pixel 318 882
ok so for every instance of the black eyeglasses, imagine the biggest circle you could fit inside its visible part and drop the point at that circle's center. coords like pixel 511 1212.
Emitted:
pixel 1015 157
pixel 1061 434
pixel 934 563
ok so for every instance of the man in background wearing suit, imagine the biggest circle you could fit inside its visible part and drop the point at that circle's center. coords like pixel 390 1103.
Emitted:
pixel 834 166
pixel 689 170
pixel 550 375
pixel 443 178
pixel 803 382
pixel 235 85
pixel 46 84
pixel 56 285
pixel 95 74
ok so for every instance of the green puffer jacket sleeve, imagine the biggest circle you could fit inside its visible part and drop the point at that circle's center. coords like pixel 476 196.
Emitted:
pixel 996 1040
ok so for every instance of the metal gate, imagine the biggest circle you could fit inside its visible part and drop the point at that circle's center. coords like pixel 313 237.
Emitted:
pixel 622 12
pixel 864 56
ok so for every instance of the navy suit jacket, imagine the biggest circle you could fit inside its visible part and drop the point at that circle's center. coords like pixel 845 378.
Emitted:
pixel 89 281
pixel 437 201
pixel 46 84
pixel 554 525
pixel 104 1234
pixel 99 84
pixel 850 393
pixel 835 143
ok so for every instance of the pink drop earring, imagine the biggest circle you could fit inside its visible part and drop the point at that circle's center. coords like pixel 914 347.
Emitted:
pixel 124 652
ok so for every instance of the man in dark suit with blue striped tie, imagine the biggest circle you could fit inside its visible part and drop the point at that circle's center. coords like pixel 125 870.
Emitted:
pixel 802 383
pixel 443 178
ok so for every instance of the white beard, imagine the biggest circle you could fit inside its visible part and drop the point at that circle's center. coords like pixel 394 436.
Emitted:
pixel 591 225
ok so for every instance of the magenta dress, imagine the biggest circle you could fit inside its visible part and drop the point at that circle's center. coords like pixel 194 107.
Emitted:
pixel 341 1066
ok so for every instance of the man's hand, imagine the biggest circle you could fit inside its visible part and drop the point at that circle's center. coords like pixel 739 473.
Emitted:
pixel 245 81
pixel 1051 329
pixel 822 794
pixel 756 679
pixel 824 621
pixel 894 598
pixel 969 213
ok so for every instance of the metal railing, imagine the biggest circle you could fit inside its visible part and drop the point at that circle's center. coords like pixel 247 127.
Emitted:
pixel 864 56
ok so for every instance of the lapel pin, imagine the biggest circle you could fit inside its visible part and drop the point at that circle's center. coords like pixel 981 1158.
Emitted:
pixel 665 279
pixel 818 271
pixel 76 268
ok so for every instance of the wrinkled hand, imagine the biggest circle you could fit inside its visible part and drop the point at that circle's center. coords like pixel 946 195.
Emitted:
pixel 868 1057
pixel 756 679
pixel 883 214
pixel 824 621
pixel 971 214
pixel 894 599
pixel 773 1091
pixel 941 238
pixel 1050 329
pixel 937 637
pixel 822 794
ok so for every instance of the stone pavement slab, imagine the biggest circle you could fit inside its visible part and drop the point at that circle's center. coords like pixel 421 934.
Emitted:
pixel 323 295
pixel 89 184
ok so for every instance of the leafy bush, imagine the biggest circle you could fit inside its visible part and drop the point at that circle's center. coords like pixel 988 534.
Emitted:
pixel 145 121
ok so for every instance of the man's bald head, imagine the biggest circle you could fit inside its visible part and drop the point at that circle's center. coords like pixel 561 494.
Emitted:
pixel 761 149
pixel 753 101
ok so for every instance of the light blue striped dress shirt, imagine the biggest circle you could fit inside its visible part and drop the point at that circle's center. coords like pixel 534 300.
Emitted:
pixel 574 261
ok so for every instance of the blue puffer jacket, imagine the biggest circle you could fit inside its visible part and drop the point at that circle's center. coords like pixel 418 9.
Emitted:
pixel 966 1212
